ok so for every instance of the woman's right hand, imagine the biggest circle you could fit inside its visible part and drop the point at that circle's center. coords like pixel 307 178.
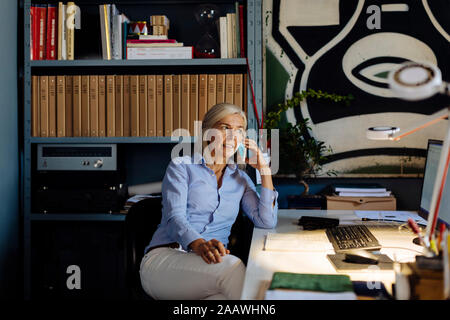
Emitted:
pixel 210 251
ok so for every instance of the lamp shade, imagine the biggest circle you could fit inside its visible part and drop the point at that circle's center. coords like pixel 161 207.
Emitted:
pixel 381 133
pixel 415 81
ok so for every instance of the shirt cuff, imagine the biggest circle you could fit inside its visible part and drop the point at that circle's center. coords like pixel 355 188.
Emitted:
pixel 268 196
pixel 188 237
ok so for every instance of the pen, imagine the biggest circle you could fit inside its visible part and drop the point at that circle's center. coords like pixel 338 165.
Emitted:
pixel 416 230
pixel 433 245
pixel 380 219
pixel 441 233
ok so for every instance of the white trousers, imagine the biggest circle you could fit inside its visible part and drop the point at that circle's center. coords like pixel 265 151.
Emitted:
pixel 174 274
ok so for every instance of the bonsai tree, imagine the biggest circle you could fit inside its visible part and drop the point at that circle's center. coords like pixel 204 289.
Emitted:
pixel 300 153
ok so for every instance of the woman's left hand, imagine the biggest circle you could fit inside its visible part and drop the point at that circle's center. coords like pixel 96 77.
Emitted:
pixel 257 160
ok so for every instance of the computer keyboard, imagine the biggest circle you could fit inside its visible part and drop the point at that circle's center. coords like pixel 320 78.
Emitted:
pixel 352 237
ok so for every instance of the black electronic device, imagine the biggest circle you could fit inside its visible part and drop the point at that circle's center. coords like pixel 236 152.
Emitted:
pixel 361 256
pixel 345 238
pixel 340 263
pixel 313 223
pixel 430 263
pixel 77 178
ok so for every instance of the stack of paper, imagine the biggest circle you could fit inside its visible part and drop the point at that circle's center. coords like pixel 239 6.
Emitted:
pixel 361 190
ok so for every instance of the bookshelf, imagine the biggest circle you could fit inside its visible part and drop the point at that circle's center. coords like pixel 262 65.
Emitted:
pixel 88 61
pixel 77 217
pixel 110 140
pixel 136 63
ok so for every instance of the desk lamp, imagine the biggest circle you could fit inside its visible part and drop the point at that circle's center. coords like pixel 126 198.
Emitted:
pixel 416 81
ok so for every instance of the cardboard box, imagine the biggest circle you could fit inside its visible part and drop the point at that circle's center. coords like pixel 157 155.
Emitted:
pixel 420 284
pixel 361 203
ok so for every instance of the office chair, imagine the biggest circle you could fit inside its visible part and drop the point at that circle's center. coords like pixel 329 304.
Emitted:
pixel 240 237
pixel 141 222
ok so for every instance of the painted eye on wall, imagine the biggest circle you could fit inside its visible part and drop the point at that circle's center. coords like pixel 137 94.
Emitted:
pixel 352 47
pixel 368 61
pixel 375 71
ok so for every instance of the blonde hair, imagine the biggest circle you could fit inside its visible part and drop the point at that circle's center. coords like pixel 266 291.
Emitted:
pixel 217 113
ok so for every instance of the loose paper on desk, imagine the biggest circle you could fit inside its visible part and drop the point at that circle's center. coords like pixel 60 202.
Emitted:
pixel 400 216
pixel 303 241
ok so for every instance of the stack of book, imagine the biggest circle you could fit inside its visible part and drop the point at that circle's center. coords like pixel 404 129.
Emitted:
pixel 360 190
pixel 231 33
pixel 113 26
pixel 52 31
pixel 128 105
pixel 156 45
pixel 124 39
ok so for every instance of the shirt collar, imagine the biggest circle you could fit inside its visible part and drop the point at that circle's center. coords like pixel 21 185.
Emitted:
pixel 198 158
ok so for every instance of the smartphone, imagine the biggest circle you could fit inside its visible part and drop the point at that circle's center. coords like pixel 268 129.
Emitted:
pixel 241 150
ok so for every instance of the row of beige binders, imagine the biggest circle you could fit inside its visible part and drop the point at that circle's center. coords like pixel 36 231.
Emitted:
pixel 128 105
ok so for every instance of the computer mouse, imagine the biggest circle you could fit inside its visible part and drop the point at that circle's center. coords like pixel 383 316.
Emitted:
pixel 361 257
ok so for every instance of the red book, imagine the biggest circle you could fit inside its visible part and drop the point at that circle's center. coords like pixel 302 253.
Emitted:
pixel 241 29
pixel 32 32
pixel 51 32
pixel 152 41
pixel 42 19
pixel 35 32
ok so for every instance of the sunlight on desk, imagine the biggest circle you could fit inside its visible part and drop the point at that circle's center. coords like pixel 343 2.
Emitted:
pixel 300 241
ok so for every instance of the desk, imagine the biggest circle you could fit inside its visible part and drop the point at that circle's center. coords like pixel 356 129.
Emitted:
pixel 262 264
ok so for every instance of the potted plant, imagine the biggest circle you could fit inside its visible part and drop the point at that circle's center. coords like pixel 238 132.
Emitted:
pixel 300 153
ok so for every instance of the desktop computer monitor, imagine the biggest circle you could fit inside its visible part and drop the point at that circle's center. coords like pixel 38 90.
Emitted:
pixel 431 166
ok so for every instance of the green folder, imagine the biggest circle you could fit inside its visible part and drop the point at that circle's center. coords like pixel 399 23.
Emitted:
pixel 311 282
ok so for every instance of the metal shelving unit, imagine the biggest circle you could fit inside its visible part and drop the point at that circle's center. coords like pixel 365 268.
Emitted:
pixel 135 63
pixel 111 140
pixel 254 54
pixel 77 217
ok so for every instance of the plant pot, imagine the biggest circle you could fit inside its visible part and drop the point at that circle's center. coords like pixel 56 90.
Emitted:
pixel 307 202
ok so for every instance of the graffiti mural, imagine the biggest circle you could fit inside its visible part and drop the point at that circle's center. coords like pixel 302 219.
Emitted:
pixel 348 47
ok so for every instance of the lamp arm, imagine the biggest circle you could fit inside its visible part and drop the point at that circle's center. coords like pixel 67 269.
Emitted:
pixel 428 121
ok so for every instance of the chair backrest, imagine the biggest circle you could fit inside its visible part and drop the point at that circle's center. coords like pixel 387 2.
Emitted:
pixel 241 237
pixel 141 222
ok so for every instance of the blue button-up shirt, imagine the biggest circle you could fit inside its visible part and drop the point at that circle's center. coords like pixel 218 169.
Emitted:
pixel 193 206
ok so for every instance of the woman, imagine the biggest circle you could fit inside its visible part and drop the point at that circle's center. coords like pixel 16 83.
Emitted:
pixel 187 257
